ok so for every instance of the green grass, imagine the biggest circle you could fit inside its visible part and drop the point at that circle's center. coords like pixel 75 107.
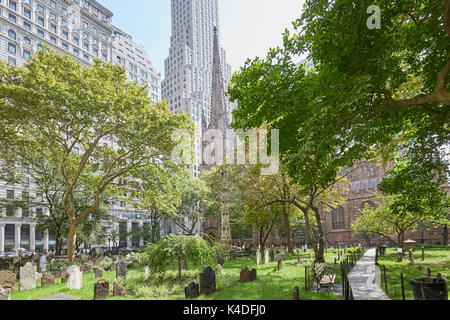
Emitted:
pixel 438 258
pixel 271 284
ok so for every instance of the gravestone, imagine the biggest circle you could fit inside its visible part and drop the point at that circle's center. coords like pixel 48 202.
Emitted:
pixel 101 290
pixel 220 259
pixel 399 254
pixel 296 293
pixel 219 269
pixel 121 269
pixel 146 271
pixel 65 278
pixel 47 280
pixel 244 275
pixel 272 255
pixel 75 281
pixel 266 256
pixel 192 291
pixel 258 257
pixel 7 280
pixel 86 268
pixel 280 264
pixel 98 273
pixel 118 291
pixel 113 267
pixel 253 275
pixel 28 277
pixel 428 272
pixel 5 294
pixel 207 281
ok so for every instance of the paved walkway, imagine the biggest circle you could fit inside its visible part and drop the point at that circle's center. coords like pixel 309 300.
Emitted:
pixel 364 278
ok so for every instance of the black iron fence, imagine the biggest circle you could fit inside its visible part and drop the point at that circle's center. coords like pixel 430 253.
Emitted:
pixel 347 262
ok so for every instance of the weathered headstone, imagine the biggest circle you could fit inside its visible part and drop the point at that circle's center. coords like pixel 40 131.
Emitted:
pixel 220 259
pixel 219 269
pixel 99 273
pixel 113 267
pixel 65 278
pixel 28 277
pixel 118 291
pixel 253 274
pixel 75 281
pixel 244 275
pixel 101 290
pixel 399 254
pixel 280 264
pixel 258 257
pixel 5 294
pixel 266 256
pixel 7 280
pixel 192 291
pixel 272 255
pixel 296 293
pixel 86 268
pixel 428 272
pixel 47 280
pixel 207 281
pixel 121 269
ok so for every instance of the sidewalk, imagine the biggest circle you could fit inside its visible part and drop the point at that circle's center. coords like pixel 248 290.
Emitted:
pixel 362 279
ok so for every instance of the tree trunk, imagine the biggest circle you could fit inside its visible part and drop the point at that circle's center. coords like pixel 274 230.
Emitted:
pixel 446 235
pixel 288 228
pixel 58 244
pixel 320 249
pixel 71 242
pixel 179 269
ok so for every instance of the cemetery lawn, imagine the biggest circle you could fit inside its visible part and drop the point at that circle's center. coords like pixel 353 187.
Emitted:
pixel 438 258
pixel 271 284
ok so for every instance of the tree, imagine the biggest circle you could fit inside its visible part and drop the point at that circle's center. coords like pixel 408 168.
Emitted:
pixel 192 194
pixel 178 249
pixel 212 203
pixel 357 95
pixel 91 121
pixel 396 214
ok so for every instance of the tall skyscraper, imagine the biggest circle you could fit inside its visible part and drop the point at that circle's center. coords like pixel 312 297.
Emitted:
pixel 187 84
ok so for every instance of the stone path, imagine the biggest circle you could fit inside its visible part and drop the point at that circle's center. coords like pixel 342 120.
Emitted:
pixel 364 279
pixel 61 296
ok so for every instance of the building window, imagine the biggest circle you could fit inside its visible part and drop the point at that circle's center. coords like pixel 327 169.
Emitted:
pixel 12 34
pixel 26 54
pixel 26 40
pixel 338 219
pixel 11 47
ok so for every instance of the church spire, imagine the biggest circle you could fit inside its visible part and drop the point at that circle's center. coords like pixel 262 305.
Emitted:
pixel 219 114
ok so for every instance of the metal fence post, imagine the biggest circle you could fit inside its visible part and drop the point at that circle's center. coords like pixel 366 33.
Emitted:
pixel 403 286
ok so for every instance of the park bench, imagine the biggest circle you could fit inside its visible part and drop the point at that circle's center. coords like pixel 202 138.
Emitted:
pixel 323 280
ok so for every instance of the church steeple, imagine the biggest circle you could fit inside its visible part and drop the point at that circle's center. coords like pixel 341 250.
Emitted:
pixel 219 114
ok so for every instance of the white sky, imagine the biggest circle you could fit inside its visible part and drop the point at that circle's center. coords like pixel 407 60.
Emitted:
pixel 249 28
